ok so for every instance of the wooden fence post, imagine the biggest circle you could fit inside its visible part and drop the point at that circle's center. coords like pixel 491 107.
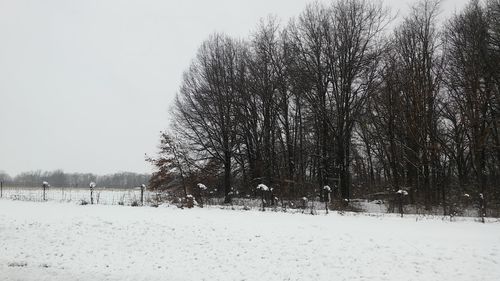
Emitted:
pixel 142 194
pixel 482 207
pixel 401 194
pixel 327 190
pixel 92 185
pixel 44 185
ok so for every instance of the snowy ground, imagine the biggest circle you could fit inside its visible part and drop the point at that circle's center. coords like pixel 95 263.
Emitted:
pixel 106 196
pixel 65 241
pixel 127 196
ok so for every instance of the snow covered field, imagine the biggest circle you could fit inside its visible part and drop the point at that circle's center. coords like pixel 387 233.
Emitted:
pixel 107 196
pixel 66 241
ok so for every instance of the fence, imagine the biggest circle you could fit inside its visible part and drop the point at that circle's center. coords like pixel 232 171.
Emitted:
pixel 106 196
pixel 132 196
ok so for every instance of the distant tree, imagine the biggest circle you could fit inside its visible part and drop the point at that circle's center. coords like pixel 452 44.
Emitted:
pixel 56 178
pixel 4 177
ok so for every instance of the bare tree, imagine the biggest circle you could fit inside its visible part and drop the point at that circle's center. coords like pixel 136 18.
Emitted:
pixel 205 112
pixel 417 47
pixel 171 163
pixel 353 53
pixel 472 82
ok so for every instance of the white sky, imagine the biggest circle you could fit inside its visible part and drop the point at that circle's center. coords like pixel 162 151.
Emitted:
pixel 85 86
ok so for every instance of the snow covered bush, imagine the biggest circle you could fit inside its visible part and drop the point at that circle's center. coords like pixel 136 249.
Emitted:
pixel 121 201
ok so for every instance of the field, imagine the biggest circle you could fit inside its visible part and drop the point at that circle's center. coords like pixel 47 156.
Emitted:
pixel 67 241
pixel 130 196
pixel 106 196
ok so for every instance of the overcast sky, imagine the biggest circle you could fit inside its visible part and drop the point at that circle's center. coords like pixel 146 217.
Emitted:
pixel 85 86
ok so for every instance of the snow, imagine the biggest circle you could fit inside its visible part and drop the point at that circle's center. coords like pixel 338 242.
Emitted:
pixel 65 241
pixel 202 186
pixel 403 192
pixel 262 187
pixel 101 195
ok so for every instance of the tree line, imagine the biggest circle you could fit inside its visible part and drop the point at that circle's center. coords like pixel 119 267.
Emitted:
pixel 334 98
pixel 59 178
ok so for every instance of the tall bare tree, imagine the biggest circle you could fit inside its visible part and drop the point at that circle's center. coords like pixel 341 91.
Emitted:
pixel 205 111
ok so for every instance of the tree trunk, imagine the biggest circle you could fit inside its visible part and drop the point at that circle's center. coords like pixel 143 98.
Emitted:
pixel 227 177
